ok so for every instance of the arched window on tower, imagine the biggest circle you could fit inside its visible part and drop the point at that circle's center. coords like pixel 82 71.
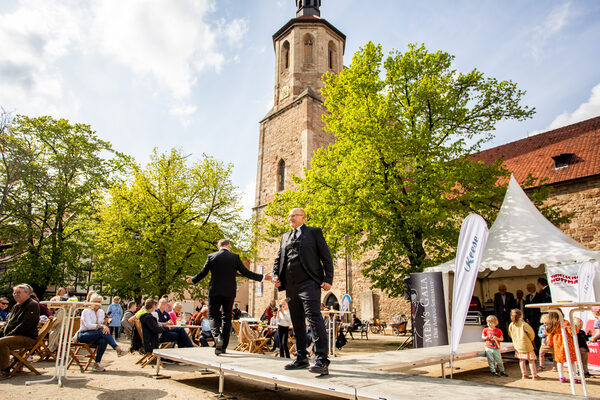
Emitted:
pixel 281 175
pixel 285 55
pixel 308 48
pixel 331 54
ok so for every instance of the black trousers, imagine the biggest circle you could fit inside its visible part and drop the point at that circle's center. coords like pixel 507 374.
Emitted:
pixel 283 331
pixel 304 301
pixel 219 316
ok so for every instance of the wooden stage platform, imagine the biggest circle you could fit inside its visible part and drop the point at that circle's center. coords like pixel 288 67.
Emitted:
pixel 363 376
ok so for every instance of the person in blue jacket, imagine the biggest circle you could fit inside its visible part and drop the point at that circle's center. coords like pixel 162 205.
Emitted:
pixel 115 312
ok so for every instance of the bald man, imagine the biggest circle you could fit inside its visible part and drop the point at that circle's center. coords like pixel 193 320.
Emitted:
pixel 503 302
pixel 302 268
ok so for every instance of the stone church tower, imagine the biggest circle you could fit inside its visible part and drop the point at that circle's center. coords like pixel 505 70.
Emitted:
pixel 305 48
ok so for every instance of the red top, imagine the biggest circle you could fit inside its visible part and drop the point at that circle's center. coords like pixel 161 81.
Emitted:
pixel 492 332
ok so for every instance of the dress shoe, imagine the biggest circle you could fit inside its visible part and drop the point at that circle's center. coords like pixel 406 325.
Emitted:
pixel 297 364
pixel 320 367
pixel 219 351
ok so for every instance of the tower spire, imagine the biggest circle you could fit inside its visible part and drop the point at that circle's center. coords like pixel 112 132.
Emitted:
pixel 308 8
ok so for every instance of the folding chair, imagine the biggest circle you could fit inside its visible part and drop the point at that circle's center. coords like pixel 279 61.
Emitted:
pixel 80 350
pixel 364 330
pixel 148 358
pixel 21 355
pixel 252 341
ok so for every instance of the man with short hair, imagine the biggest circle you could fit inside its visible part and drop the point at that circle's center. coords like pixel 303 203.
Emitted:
pixel 70 293
pixel 503 302
pixel 21 329
pixel 532 315
pixel 223 267
pixel 162 313
pixel 237 313
pixel 544 290
pixel 302 268
pixel 125 324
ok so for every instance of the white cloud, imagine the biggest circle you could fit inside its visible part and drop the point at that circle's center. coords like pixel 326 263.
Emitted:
pixel 587 110
pixel 34 38
pixel 554 22
pixel 165 44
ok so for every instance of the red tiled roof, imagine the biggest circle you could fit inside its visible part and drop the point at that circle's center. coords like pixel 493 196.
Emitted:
pixel 533 155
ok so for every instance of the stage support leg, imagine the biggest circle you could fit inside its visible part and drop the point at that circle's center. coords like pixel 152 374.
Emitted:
pixel 222 396
pixel 277 388
pixel 157 375
pixel 443 371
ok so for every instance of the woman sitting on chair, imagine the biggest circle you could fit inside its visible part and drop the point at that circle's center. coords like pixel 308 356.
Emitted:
pixel 93 331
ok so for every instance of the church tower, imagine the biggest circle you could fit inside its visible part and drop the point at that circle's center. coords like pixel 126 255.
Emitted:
pixel 306 47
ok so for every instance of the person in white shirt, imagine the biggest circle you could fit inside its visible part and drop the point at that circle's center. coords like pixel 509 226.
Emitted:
pixel 283 328
pixel 92 330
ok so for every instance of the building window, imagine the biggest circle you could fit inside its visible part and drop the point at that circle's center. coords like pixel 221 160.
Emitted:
pixel 281 176
pixel 331 55
pixel 563 160
pixel 285 55
pixel 308 48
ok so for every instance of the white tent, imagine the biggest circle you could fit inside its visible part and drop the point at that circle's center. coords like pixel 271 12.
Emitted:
pixel 521 240
pixel 521 236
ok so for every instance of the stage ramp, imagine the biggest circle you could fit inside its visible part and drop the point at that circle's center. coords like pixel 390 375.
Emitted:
pixel 352 377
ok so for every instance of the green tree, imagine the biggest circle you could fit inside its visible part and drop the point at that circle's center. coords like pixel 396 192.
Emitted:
pixel 50 176
pixel 398 181
pixel 159 225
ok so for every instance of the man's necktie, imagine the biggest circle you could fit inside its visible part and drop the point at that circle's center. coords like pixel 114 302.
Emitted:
pixel 295 235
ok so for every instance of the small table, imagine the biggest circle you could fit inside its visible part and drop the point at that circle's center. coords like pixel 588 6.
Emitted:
pixel 574 306
pixel 332 328
pixel 64 342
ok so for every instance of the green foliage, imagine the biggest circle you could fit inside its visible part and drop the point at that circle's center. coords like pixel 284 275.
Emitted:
pixel 50 176
pixel 397 182
pixel 160 223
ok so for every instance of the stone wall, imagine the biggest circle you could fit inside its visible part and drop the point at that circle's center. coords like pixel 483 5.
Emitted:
pixel 583 198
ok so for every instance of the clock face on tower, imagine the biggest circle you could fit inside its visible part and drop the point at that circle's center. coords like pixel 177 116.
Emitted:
pixel 284 92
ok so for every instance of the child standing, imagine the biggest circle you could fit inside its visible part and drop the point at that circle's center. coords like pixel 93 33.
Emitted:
pixel 522 337
pixel 493 336
pixel 584 350
pixel 555 340
pixel 544 348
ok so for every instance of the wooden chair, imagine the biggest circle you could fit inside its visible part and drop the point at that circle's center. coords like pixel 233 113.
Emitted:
pixel 80 352
pixel 251 340
pixel 21 355
pixel 148 358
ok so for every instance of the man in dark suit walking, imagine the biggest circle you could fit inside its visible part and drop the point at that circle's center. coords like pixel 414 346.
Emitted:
pixel 503 302
pixel 222 266
pixel 303 266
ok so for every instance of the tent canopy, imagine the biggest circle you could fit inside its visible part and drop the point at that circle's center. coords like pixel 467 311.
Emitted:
pixel 521 236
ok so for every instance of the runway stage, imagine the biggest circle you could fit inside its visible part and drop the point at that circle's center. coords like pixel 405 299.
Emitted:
pixel 351 377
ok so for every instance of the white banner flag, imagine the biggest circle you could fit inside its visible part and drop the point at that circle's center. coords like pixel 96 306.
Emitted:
pixel 587 273
pixel 471 245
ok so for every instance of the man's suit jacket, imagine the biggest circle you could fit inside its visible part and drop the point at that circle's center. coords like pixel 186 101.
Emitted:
pixel 223 266
pixel 314 256
pixel 545 296
pixel 532 315
pixel 502 310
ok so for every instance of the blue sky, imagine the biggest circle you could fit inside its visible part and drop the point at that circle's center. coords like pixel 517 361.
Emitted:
pixel 199 75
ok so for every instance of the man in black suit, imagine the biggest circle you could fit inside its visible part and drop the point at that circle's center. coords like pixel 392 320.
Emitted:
pixel 303 266
pixel 503 302
pixel 222 266
pixel 532 315
pixel 544 290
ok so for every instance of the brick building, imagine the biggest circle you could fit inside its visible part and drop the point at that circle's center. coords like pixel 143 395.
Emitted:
pixel 308 46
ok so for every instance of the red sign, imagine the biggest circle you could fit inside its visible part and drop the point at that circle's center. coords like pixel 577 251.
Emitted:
pixel 594 356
